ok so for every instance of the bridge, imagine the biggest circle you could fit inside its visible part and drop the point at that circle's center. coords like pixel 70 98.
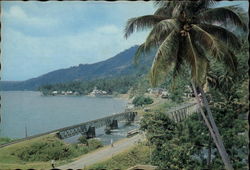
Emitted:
pixel 177 114
pixel 88 128
pixel 180 113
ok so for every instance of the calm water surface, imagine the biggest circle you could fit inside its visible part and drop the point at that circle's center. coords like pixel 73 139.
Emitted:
pixel 44 113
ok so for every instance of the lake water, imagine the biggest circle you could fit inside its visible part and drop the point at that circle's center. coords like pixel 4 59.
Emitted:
pixel 44 113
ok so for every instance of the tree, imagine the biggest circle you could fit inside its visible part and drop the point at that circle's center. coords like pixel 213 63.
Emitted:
pixel 193 33
pixel 141 100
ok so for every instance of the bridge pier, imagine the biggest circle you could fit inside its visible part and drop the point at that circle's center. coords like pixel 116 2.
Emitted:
pixel 110 126
pixel 114 124
pixel 91 132
pixel 131 117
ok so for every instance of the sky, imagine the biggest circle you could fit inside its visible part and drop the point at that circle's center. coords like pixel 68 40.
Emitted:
pixel 39 37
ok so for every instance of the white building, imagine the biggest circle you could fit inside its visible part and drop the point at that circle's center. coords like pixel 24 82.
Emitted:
pixel 97 92
pixel 54 92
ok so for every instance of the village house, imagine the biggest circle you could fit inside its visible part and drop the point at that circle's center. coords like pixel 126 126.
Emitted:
pixel 54 92
pixel 97 92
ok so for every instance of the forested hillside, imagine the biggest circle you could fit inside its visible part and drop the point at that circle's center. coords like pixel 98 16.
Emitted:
pixel 120 65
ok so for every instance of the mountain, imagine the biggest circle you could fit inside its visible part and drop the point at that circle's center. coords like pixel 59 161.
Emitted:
pixel 120 64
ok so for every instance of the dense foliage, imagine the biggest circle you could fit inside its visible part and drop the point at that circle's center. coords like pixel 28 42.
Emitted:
pixel 186 144
pixel 110 85
pixel 142 100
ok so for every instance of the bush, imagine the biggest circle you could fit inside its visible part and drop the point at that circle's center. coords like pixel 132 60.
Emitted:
pixel 55 149
pixel 45 151
pixel 83 140
pixel 141 100
pixel 4 140
pixel 94 144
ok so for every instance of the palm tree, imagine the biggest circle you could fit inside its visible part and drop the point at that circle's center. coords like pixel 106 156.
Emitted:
pixel 191 32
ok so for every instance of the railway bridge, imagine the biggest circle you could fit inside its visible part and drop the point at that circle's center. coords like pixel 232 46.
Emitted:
pixel 88 128
pixel 177 114
pixel 180 113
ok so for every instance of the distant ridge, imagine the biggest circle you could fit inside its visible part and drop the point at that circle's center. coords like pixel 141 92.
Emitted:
pixel 119 65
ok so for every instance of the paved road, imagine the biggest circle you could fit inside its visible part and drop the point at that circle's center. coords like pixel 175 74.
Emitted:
pixel 102 154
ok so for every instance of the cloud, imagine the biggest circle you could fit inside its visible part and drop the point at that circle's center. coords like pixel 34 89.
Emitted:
pixel 108 29
pixel 37 40
pixel 18 19
pixel 16 12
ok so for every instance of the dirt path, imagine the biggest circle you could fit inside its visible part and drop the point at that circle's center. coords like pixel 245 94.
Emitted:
pixel 103 153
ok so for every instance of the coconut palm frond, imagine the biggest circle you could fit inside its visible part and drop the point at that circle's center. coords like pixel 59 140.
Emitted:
pixel 198 62
pixel 222 15
pixel 239 10
pixel 181 55
pixel 215 47
pixel 139 53
pixel 160 32
pixel 222 34
pixel 212 79
pixel 164 11
pixel 160 3
pixel 178 65
pixel 204 4
pixel 178 9
pixel 164 3
pixel 202 64
pixel 195 7
pixel 141 23
pixel 164 59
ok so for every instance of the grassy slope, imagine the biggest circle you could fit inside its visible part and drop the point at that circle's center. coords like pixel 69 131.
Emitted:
pixel 9 161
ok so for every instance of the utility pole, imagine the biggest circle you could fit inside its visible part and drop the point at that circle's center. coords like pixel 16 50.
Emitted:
pixel 26 133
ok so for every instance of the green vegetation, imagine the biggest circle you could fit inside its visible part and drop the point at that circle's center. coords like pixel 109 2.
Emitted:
pixel 140 87
pixel 44 151
pixel 37 153
pixel 119 85
pixel 54 149
pixel 141 100
pixel 83 140
pixel 4 140
pixel 139 154
pixel 187 144
pixel 185 34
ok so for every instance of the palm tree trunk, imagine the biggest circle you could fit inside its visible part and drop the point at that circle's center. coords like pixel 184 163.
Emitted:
pixel 213 133
pixel 209 152
pixel 215 128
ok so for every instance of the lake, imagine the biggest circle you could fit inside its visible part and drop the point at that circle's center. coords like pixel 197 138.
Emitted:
pixel 44 113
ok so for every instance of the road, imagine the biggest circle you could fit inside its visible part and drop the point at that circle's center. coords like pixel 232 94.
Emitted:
pixel 103 153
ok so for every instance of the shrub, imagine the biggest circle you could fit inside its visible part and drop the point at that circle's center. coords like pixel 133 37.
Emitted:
pixel 141 100
pixel 83 140
pixel 45 151
pixel 94 144
pixel 4 140
pixel 54 149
